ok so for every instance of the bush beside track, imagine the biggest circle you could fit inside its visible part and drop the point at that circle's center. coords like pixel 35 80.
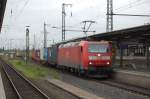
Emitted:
pixel 33 70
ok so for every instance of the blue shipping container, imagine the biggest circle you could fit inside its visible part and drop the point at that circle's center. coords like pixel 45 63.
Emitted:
pixel 46 54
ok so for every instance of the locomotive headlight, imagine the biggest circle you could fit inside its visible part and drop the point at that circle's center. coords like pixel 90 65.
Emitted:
pixel 108 63
pixel 90 63
pixel 98 54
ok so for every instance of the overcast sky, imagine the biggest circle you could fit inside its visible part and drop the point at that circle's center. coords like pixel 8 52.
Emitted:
pixel 20 13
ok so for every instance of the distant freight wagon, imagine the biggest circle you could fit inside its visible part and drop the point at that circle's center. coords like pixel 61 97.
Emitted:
pixel 36 55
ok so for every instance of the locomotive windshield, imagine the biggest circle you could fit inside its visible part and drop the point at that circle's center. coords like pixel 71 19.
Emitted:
pixel 98 48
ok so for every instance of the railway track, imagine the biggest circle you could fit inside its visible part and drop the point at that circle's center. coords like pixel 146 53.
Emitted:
pixel 23 88
pixel 130 88
pixel 110 82
pixel 120 85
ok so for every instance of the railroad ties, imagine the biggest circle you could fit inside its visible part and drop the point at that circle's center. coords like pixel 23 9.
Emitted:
pixel 24 88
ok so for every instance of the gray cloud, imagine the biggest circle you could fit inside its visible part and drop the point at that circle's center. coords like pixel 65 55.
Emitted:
pixel 35 12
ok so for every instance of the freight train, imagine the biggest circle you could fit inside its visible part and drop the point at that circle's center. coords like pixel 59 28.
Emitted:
pixel 90 58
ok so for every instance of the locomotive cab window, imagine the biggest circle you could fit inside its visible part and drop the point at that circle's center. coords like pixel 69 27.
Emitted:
pixel 98 48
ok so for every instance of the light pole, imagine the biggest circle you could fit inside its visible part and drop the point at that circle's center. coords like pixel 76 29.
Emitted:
pixel 11 48
pixel 45 35
pixel 27 44
pixel 64 19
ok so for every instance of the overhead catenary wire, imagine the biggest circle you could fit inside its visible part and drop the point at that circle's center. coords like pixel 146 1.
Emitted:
pixel 23 8
pixel 15 16
pixel 130 5
pixel 132 15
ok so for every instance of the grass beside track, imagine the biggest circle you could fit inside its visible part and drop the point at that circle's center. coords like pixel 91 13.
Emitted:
pixel 33 70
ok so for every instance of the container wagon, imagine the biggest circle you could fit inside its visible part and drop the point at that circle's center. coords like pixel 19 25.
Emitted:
pixel 52 55
pixel 36 55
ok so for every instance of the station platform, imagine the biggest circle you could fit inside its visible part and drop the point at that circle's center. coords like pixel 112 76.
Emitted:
pixel 81 94
pixel 133 77
pixel 2 92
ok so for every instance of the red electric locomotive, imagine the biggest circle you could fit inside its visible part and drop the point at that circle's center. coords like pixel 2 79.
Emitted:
pixel 92 58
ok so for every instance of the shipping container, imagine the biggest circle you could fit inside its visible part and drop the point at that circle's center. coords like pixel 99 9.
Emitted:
pixel 52 54
pixel 45 54
pixel 42 54
pixel 36 55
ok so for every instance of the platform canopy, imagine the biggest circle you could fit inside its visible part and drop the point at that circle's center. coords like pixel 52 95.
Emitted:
pixel 135 34
pixel 2 10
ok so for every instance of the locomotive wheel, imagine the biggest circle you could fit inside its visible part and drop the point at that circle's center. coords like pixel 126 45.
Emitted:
pixel 79 74
pixel 86 74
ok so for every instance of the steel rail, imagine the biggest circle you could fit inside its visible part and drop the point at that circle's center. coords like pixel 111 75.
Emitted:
pixel 25 79
pixel 130 88
pixel 11 82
